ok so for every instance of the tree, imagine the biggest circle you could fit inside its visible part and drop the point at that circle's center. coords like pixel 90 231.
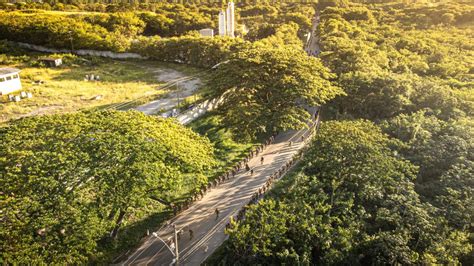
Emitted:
pixel 266 90
pixel 70 180
pixel 352 201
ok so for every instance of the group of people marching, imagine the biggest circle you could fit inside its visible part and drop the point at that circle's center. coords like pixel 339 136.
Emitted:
pixel 276 175
pixel 224 177
pixel 263 189
pixel 244 163
pixel 231 173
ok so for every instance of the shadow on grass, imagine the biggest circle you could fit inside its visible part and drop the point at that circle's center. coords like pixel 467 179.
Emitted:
pixel 129 237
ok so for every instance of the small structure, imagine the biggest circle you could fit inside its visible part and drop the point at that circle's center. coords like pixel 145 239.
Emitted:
pixel 51 61
pixel 9 80
pixel 227 20
pixel 230 25
pixel 222 23
pixel 207 32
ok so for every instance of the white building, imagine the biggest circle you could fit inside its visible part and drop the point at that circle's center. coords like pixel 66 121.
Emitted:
pixel 207 32
pixel 222 23
pixel 9 80
pixel 230 13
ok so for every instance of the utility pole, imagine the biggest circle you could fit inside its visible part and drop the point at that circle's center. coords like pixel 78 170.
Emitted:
pixel 70 38
pixel 176 245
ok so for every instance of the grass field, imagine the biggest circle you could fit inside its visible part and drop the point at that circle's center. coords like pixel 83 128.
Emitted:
pixel 65 88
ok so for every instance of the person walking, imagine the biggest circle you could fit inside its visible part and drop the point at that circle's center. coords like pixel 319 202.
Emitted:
pixel 247 167
pixel 217 213
pixel 251 172
pixel 261 160
pixel 191 234
pixel 289 144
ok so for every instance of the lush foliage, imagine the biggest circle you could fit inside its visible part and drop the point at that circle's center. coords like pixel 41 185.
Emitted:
pixel 352 202
pixel 174 19
pixel 70 180
pixel 387 69
pixel 363 197
pixel 197 51
pixel 414 75
pixel 265 90
pixel 59 32
pixel 116 29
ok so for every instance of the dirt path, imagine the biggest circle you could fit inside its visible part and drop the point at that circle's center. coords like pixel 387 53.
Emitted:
pixel 229 198
pixel 186 85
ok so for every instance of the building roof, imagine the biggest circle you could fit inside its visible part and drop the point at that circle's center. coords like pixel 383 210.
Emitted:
pixel 8 70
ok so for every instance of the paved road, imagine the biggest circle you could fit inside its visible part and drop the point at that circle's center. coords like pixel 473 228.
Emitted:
pixel 313 48
pixel 229 198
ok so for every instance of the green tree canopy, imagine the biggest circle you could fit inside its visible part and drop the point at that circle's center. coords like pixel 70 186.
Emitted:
pixel 265 89
pixel 352 201
pixel 69 180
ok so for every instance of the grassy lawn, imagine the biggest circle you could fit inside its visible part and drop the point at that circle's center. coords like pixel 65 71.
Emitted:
pixel 65 88
pixel 227 151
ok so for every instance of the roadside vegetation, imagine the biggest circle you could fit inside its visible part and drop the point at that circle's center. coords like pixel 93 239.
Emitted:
pixel 351 201
pixel 388 179
pixel 398 189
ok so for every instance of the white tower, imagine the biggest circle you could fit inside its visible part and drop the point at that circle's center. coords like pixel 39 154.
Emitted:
pixel 230 28
pixel 222 23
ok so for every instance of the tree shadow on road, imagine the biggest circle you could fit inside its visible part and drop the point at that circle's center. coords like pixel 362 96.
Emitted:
pixel 129 237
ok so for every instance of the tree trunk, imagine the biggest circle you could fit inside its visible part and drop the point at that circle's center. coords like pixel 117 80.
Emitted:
pixel 119 221
pixel 112 214
pixel 162 201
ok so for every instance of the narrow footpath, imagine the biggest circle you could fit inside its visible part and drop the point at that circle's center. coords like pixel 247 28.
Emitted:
pixel 229 197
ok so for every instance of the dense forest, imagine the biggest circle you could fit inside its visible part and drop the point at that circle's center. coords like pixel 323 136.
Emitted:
pixel 73 187
pixel 352 201
pixel 119 30
pixel 395 190
pixel 388 179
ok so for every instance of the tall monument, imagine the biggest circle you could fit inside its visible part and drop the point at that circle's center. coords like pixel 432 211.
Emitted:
pixel 227 20
pixel 222 23
pixel 230 27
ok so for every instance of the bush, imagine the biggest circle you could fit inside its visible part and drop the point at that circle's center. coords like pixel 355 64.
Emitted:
pixel 59 32
pixel 196 51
